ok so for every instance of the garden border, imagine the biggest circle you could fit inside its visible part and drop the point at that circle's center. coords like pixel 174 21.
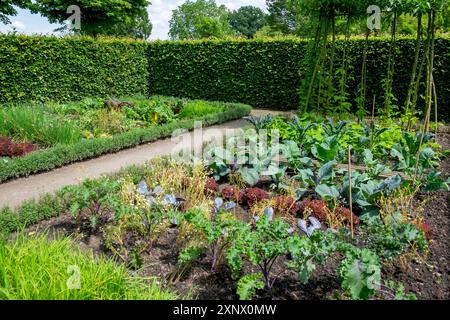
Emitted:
pixel 61 155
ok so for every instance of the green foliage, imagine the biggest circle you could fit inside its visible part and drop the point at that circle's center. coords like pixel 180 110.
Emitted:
pixel 360 273
pixel 154 111
pixel 392 240
pixel 253 160
pixel 247 20
pixel 93 202
pixel 248 285
pixel 307 252
pixel 69 69
pixel 219 229
pixel 196 19
pixel 262 246
pixel 64 154
pixel 31 212
pixel 110 17
pixel 36 268
pixel 7 8
pixel 281 18
pixel 265 73
pixel 35 124
pixel 196 109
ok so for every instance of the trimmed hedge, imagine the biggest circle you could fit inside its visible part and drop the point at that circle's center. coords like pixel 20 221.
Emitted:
pixel 263 73
pixel 61 155
pixel 42 68
pixel 267 73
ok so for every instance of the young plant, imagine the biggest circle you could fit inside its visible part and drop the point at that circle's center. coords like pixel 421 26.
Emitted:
pixel 308 251
pixel 93 203
pixel 261 246
pixel 219 229
pixel 141 217
pixel 360 272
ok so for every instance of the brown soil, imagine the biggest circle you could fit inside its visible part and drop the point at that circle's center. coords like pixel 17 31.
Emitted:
pixel 427 277
pixel 430 278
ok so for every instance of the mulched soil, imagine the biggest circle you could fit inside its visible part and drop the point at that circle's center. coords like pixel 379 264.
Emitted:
pixel 427 278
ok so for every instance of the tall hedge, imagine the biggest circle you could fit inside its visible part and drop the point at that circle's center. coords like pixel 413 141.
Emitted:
pixel 268 73
pixel 262 73
pixel 49 68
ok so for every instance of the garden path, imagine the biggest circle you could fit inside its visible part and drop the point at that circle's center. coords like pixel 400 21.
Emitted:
pixel 15 192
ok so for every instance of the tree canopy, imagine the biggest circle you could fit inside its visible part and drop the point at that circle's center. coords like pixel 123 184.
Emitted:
pixel 247 20
pixel 107 17
pixel 199 19
pixel 7 8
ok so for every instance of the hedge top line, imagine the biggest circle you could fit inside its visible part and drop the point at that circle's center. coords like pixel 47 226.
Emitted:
pixel 114 40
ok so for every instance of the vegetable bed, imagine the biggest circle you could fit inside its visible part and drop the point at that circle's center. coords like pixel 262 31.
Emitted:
pixel 272 222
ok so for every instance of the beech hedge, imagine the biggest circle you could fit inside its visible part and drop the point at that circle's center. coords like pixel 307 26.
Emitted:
pixel 268 73
pixel 265 73
pixel 38 68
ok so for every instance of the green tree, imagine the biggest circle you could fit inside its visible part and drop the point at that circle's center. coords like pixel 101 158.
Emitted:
pixel 199 19
pixel 106 17
pixel 7 8
pixel 281 17
pixel 248 20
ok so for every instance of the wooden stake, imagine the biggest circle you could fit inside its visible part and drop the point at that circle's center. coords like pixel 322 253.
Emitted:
pixel 373 121
pixel 350 188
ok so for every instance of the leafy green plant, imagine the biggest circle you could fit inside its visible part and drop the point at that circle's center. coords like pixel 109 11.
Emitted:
pixel 261 246
pixel 360 273
pixel 252 161
pixel 260 122
pixel 411 157
pixel 327 150
pixel 93 203
pixel 307 252
pixel 141 216
pixel 300 130
pixel 154 111
pixel 220 229
pixel 392 240
pixel 248 285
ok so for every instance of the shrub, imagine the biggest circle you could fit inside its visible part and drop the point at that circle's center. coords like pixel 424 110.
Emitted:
pixel 265 72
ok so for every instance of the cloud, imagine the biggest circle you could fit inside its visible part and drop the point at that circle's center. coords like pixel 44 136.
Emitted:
pixel 160 13
pixel 19 25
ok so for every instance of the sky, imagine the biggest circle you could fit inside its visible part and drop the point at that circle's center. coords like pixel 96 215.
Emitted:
pixel 160 13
